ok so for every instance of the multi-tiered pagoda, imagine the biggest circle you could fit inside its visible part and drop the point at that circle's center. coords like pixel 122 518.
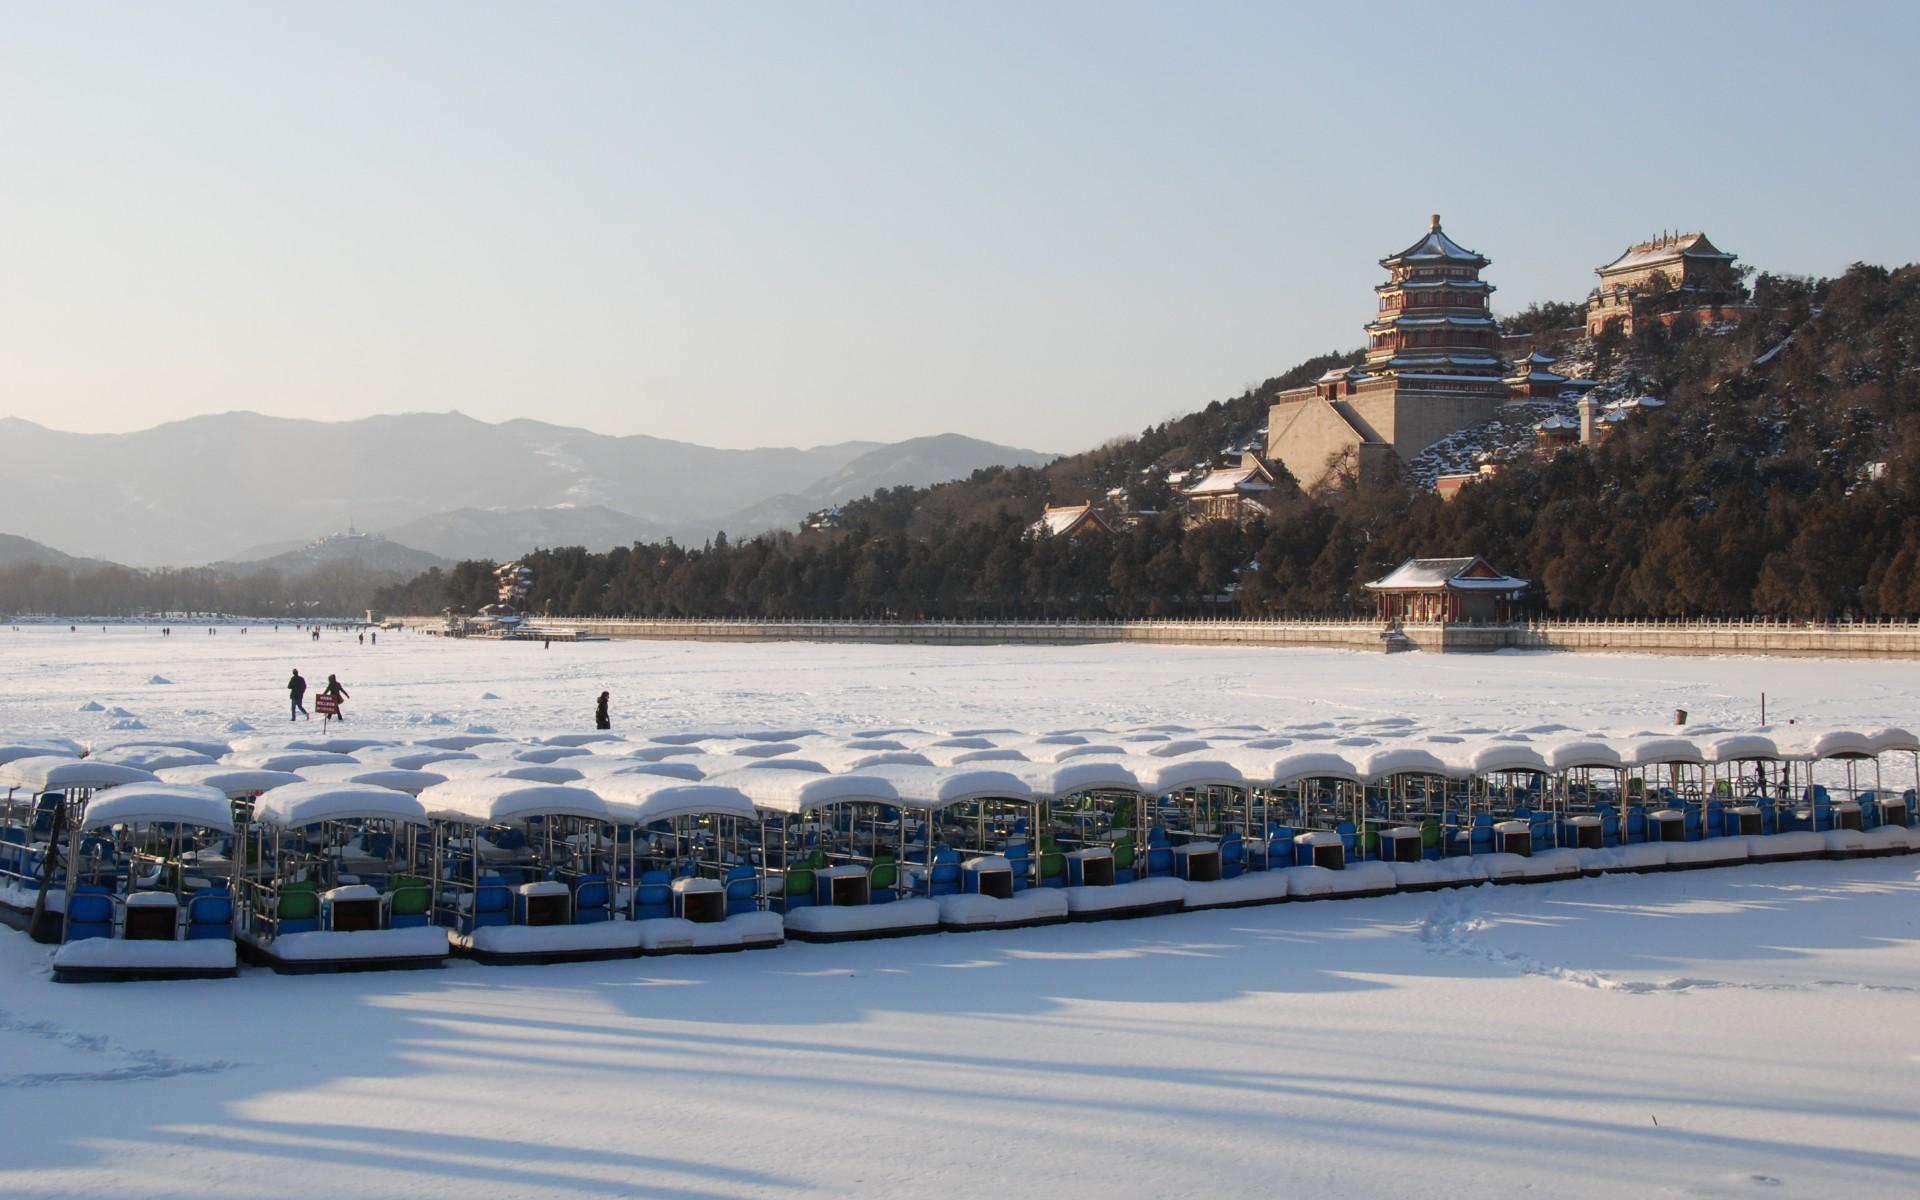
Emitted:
pixel 1433 366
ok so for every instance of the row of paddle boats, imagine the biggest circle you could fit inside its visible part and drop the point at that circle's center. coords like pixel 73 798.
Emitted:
pixel 184 857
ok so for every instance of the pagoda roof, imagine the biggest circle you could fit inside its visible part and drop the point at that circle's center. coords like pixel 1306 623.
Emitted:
pixel 1436 319
pixel 1436 247
pixel 1669 248
pixel 1443 360
pixel 1450 282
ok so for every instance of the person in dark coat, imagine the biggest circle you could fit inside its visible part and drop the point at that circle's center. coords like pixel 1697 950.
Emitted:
pixel 338 693
pixel 600 718
pixel 297 692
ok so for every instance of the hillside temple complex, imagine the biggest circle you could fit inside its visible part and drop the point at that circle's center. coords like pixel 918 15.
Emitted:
pixel 1433 361
pixel 1433 366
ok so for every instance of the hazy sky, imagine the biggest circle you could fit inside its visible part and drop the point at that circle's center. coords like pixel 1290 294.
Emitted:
pixel 745 224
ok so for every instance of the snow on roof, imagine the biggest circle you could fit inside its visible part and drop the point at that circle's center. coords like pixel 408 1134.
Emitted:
pixel 643 798
pixel 1737 747
pixel 1487 757
pixel 797 791
pixel 1435 247
pixel 1238 479
pixel 1656 751
pixel 1050 781
pixel 1175 747
pixel 144 803
pixel 1161 776
pixel 414 760
pixel 549 754
pixel 285 760
pixel 58 773
pixel 1295 765
pixel 528 772
pixel 953 756
pixel 1402 759
pixel 462 741
pixel 581 739
pixel 1893 737
pixel 710 765
pixel 311 802
pixel 1558 422
pixel 848 758
pixel 503 801
pixel 153 758
pixel 1565 754
pixel 1443 573
pixel 12 748
pixel 211 747
pixel 1671 248
pixel 231 781
pixel 1824 743
pixel 337 745
pixel 938 787
pixel 1065 519
pixel 397 778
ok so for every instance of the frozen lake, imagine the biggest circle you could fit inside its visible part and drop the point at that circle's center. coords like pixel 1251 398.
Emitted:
pixel 1716 1033
pixel 409 680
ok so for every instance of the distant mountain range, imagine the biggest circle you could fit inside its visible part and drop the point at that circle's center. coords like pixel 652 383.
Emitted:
pixel 235 488
pixel 16 551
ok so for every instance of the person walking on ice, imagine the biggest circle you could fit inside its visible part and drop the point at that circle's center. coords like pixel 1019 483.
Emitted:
pixel 297 692
pixel 600 718
pixel 328 702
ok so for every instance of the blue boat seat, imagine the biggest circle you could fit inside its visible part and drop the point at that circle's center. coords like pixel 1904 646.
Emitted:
pixel 592 899
pixel 1159 860
pixel 89 913
pixel 492 902
pixel 1018 856
pixel 654 896
pixel 944 878
pixel 743 891
pixel 209 914
pixel 1233 856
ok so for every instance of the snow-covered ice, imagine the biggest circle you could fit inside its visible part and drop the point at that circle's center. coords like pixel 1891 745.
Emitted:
pixel 1713 1033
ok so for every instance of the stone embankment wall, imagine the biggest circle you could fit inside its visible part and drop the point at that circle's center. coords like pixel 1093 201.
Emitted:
pixel 1651 637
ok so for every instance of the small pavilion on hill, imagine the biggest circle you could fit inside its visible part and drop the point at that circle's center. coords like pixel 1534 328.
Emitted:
pixel 1070 520
pixel 1232 494
pixel 1446 589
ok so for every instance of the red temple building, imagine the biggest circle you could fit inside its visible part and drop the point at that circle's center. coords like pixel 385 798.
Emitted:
pixel 1446 589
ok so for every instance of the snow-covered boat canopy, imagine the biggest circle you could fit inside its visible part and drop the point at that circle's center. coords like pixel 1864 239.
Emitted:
pixel 641 799
pixel 795 792
pixel 1738 747
pixel 285 760
pixel 497 801
pixel 144 803
pixel 18 748
pixel 299 804
pixel 58 773
pixel 932 788
pixel 1051 781
pixel 229 781
pixel 396 778
pixel 1159 776
pixel 153 758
